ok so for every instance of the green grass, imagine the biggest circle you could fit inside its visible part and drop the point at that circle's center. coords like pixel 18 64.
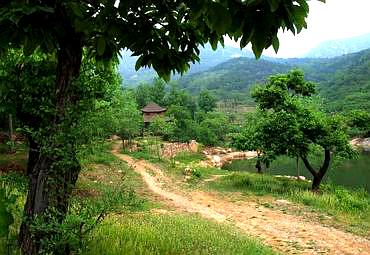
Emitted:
pixel 107 183
pixel 189 157
pixel 13 188
pixel 349 207
pixel 97 153
pixel 170 234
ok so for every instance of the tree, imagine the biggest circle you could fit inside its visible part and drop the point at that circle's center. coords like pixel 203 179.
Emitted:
pixel 177 97
pixel 251 139
pixel 161 127
pixel 294 126
pixel 213 128
pixel 164 34
pixel 126 119
pixel 21 90
pixel 185 127
pixel 359 120
pixel 206 101
pixel 158 91
pixel 142 95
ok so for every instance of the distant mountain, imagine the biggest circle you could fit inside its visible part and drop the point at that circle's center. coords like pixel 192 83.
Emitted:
pixel 209 58
pixel 344 82
pixel 336 48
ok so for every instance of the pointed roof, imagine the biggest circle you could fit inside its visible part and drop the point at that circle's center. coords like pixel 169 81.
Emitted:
pixel 153 107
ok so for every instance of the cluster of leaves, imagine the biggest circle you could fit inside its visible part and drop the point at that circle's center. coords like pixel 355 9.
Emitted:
pixel 175 35
pixel 359 122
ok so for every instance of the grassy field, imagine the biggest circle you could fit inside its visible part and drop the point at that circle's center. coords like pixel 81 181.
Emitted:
pixel 170 234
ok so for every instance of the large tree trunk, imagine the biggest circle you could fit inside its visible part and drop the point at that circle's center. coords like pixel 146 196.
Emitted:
pixel 54 173
pixel 33 155
pixel 318 175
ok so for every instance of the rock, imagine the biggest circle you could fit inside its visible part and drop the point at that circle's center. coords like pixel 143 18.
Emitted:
pixel 216 159
pixel 361 143
pixel 193 145
pixel 282 202
pixel 187 171
pixel 115 137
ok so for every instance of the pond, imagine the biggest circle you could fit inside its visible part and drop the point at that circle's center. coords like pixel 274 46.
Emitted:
pixel 350 173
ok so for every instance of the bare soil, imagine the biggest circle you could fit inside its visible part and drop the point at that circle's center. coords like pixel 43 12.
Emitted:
pixel 287 233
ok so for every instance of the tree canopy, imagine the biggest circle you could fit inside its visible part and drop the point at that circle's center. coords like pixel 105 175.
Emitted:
pixel 292 124
pixel 165 34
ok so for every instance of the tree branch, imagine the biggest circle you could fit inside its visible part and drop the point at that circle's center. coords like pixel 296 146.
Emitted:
pixel 309 167
pixel 326 163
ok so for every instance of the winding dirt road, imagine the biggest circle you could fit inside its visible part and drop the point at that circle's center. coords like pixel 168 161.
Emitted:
pixel 286 233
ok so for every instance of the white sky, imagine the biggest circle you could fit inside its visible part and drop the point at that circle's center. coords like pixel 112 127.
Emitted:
pixel 336 19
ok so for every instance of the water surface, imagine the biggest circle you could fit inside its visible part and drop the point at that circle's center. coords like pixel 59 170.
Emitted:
pixel 350 173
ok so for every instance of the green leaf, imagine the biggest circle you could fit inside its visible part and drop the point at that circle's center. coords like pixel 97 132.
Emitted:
pixel 219 18
pixel 76 9
pixel 275 44
pixel 274 5
pixel 101 46
pixel 138 63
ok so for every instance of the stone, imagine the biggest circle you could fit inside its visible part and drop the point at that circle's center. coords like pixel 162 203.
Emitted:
pixel 282 202
pixel 216 159
pixel 193 145
pixel 187 171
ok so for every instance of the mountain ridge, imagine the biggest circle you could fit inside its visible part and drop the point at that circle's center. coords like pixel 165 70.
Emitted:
pixel 339 78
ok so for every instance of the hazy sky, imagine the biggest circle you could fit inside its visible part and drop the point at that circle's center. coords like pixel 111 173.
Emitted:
pixel 336 19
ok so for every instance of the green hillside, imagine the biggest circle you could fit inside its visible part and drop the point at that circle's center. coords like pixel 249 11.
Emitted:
pixel 343 82
pixel 233 78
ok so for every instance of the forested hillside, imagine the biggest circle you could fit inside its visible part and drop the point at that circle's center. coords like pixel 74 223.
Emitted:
pixel 344 82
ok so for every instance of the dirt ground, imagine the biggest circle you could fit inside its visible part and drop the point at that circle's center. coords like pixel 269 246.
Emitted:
pixel 289 234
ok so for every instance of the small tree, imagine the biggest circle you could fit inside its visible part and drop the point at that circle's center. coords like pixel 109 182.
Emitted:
pixel 359 122
pixel 249 139
pixel 294 126
pixel 185 127
pixel 213 129
pixel 161 127
pixel 126 118
pixel 206 101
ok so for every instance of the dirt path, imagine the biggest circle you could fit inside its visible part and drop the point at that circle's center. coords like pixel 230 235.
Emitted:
pixel 287 233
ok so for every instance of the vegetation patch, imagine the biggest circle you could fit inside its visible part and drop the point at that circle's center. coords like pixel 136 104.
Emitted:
pixel 170 234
